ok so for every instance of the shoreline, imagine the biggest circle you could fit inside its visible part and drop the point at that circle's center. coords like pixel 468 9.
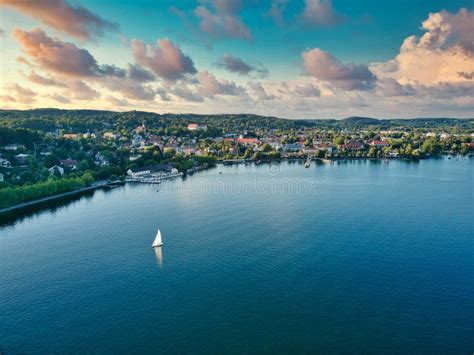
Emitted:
pixel 22 205
pixel 331 160
pixel 99 184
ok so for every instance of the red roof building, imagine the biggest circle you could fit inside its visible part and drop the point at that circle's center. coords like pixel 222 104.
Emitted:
pixel 377 143
pixel 248 141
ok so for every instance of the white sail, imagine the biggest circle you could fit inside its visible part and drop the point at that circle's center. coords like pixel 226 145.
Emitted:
pixel 157 242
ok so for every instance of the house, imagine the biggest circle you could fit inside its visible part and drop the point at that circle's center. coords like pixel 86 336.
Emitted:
pixel 276 145
pixel 188 150
pixel 155 140
pixel 148 169
pixel 54 170
pixel 141 128
pixel 310 151
pixel 2 179
pixel 248 141
pixel 197 127
pixel 68 163
pixel 14 146
pixel 21 158
pixel 327 147
pixel 70 136
pixel 379 144
pixel 111 135
pixel 292 147
pixel 4 163
pixel 137 140
pixel 100 160
pixel 134 157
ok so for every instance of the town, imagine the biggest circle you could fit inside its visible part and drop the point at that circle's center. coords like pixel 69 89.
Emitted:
pixel 44 153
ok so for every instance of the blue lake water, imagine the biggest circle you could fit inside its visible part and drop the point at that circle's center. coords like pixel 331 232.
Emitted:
pixel 357 257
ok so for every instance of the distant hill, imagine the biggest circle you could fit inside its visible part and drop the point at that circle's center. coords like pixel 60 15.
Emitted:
pixel 49 117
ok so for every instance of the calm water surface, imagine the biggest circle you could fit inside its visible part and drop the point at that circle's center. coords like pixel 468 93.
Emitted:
pixel 358 257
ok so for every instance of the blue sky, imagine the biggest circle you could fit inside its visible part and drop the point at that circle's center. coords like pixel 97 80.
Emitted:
pixel 339 55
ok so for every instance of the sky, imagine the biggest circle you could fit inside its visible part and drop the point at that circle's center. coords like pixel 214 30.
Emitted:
pixel 297 59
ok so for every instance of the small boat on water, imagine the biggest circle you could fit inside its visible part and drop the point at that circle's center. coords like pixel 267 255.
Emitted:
pixel 307 164
pixel 157 242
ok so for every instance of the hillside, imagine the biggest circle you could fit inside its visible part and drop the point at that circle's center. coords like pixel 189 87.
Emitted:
pixel 50 119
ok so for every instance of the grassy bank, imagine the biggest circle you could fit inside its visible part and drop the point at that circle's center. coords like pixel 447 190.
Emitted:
pixel 11 196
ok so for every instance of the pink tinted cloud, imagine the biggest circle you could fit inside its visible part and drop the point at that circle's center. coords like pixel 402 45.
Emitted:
pixel 23 95
pixel 76 21
pixel 325 67
pixel 223 20
pixel 42 80
pixel 56 55
pixel 165 59
pixel 320 13
pixel 210 86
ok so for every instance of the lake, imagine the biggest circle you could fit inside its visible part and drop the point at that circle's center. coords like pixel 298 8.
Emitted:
pixel 353 257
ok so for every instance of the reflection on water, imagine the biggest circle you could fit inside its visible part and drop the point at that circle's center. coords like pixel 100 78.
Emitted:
pixel 159 256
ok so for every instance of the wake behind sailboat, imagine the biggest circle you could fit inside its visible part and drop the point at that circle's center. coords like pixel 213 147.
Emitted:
pixel 157 242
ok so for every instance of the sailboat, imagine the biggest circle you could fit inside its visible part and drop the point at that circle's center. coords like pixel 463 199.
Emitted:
pixel 157 242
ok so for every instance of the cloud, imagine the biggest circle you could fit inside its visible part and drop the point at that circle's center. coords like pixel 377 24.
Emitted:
pixel 177 11
pixel 323 66
pixel 445 50
pixel 277 8
pixel 468 76
pixel 307 90
pixel 237 65
pixel 137 73
pixel 320 13
pixel 7 98
pixel 210 86
pixel 165 59
pixel 59 98
pixel 116 102
pixel 41 80
pixel 185 93
pixel 444 30
pixel 259 92
pixel 447 91
pixel 390 87
pixel 55 55
pixel 163 94
pixel 79 90
pixel 130 89
pixel 223 22
pixel 22 95
pixel 66 59
pixel 76 21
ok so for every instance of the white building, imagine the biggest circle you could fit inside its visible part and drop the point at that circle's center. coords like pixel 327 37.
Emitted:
pixel 4 163
pixel 55 169
pixel 197 127
pixel 14 146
